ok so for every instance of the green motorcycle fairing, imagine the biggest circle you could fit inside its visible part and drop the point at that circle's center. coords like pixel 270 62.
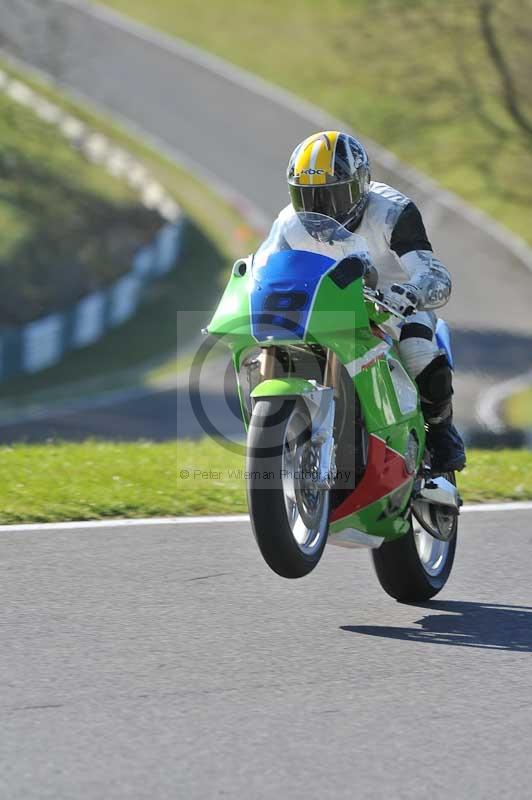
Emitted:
pixel 296 298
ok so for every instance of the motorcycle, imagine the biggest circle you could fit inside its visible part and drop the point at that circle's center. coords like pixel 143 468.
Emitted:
pixel 335 436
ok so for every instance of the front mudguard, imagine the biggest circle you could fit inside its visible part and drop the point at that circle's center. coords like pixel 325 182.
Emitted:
pixel 320 404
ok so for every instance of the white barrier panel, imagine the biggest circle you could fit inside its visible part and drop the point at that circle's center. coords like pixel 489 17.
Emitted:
pixel 124 299
pixel 166 248
pixel 89 320
pixel 144 262
pixel 42 343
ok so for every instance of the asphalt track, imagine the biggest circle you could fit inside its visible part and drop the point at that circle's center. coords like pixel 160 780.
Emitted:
pixel 167 661
pixel 239 134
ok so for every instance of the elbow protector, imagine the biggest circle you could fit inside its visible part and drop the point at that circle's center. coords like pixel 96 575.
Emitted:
pixel 430 277
pixel 434 286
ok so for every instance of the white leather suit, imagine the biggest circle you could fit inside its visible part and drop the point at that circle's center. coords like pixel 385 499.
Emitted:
pixel 400 251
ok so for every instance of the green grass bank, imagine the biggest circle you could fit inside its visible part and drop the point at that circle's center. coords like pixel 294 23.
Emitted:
pixel 96 480
pixel 518 409
pixel 141 351
pixel 67 226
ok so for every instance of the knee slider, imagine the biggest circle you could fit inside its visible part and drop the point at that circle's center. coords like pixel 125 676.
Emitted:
pixel 435 382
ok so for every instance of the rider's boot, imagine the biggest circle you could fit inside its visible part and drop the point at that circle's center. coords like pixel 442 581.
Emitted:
pixel 444 443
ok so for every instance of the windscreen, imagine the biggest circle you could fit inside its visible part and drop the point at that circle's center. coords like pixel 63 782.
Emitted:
pixel 310 232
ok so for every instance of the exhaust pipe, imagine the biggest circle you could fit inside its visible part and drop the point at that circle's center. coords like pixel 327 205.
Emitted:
pixel 441 492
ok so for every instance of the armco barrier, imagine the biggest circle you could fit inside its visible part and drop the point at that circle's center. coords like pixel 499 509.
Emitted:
pixel 43 342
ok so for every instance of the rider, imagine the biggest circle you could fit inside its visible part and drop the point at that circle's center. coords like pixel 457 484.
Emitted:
pixel 329 173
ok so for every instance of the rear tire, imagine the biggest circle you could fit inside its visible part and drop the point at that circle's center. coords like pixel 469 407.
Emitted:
pixel 403 574
pixel 279 436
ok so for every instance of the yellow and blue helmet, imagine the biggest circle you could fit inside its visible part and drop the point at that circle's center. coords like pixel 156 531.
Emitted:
pixel 328 173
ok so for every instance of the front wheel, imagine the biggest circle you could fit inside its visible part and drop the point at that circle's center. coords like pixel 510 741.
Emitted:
pixel 289 510
pixel 417 566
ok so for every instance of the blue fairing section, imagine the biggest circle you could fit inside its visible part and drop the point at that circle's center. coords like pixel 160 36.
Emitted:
pixel 443 338
pixel 283 291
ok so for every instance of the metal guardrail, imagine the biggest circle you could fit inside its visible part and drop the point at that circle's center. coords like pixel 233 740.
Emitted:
pixel 43 342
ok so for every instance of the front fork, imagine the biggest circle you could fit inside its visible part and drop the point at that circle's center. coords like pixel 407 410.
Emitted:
pixel 321 407
pixel 268 364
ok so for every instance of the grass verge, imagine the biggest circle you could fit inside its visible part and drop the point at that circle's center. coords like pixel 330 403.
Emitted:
pixel 142 351
pixel 518 409
pixel 93 480
pixel 415 76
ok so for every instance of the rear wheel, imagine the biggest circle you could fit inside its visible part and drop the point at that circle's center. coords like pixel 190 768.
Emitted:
pixel 417 566
pixel 289 510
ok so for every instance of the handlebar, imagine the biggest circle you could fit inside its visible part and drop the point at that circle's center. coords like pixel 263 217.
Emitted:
pixel 376 296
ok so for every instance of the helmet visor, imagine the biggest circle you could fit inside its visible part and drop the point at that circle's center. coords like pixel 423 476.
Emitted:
pixel 336 200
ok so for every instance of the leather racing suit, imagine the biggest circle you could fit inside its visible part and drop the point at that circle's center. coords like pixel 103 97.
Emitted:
pixel 400 251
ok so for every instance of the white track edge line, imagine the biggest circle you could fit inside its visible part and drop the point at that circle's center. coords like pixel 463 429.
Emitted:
pixel 209 520
pixel 120 523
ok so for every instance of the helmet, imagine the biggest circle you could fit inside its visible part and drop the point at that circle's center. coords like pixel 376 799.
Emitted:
pixel 328 173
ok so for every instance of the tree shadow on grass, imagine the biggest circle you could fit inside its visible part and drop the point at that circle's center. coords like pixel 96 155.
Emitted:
pixel 488 626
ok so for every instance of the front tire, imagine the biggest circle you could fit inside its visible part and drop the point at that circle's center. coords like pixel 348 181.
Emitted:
pixel 289 511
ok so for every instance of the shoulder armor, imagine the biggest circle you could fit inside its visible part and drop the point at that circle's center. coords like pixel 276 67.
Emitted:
pixel 385 205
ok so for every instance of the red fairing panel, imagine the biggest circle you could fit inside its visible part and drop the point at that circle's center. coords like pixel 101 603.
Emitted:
pixel 385 472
